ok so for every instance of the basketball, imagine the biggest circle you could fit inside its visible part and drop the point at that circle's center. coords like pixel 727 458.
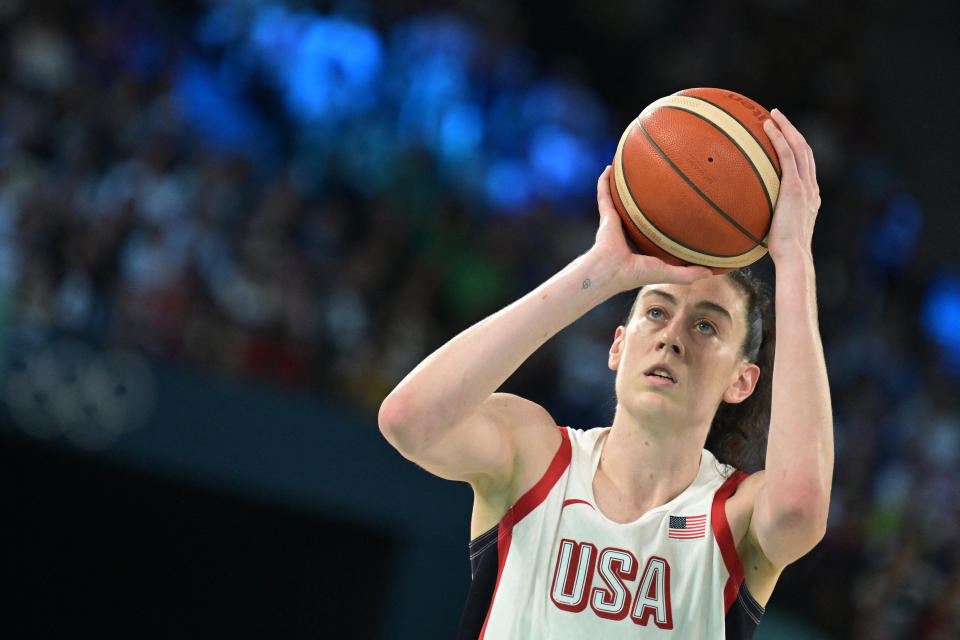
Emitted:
pixel 695 179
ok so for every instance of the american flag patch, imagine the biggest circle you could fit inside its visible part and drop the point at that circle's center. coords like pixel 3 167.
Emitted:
pixel 687 527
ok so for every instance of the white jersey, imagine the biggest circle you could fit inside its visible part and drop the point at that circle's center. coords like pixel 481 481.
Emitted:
pixel 555 567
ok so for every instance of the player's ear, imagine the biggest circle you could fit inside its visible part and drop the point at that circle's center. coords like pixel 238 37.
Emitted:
pixel 616 349
pixel 746 381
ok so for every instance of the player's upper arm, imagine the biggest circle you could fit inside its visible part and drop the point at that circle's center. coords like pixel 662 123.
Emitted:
pixel 486 445
pixel 787 532
pixel 782 534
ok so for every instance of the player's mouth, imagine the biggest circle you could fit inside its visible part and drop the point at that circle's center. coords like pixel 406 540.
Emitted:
pixel 661 375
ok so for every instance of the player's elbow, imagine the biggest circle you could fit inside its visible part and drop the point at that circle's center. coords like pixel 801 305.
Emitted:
pixel 398 424
pixel 391 417
pixel 793 530
pixel 391 410
pixel 803 499
pixel 807 510
pixel 810 525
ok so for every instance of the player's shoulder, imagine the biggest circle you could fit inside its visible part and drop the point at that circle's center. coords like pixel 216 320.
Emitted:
pixel 751 483
pixel 539 438
pixel 530 430
pixel 526 421
pixel 747 483
pixel 512 405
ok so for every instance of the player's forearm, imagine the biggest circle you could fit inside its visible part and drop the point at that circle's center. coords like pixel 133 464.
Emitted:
pixel 800 448
pixel 451 382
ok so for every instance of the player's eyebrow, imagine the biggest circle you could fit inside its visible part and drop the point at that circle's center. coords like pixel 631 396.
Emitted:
pixel 703 304
pixel 713 306
pixel 663 294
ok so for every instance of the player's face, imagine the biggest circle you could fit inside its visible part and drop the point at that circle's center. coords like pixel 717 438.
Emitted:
pixel 680 355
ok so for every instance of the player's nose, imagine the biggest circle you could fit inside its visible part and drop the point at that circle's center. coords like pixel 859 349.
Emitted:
pixel 670 341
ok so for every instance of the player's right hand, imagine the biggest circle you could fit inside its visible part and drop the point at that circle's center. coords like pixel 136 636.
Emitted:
pixel 632 269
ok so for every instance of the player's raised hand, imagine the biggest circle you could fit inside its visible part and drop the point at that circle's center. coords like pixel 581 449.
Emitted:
pixel 791 230
pixel 633 269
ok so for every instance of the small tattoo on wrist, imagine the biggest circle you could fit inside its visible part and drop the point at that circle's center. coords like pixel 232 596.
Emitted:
pixel 586 284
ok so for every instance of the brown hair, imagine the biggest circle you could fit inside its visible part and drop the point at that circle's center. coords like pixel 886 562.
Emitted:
pixel 738 433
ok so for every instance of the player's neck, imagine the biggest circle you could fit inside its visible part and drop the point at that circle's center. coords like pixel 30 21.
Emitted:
pixel 650 465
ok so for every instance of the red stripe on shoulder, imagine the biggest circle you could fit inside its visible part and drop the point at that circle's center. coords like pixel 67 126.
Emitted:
pixel 721 532
pixel 527 503
pixel 538 492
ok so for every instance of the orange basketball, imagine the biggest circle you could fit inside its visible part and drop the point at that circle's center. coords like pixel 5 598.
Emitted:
pixel 696 179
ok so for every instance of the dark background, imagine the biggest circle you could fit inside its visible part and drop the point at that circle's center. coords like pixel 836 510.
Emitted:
pixel 211 275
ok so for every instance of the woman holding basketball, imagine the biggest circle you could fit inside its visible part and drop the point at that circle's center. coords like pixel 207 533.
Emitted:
pixel 636 528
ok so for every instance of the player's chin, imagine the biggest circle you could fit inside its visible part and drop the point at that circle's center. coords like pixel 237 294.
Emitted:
pixel 657 399
pixel 641 392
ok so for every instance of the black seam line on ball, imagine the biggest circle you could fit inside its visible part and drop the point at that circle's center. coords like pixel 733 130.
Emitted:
pixel 746 128
pixel 742 151
pixel 698 191
pixel 623 168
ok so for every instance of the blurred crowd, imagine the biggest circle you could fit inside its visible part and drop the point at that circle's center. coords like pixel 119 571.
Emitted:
pixel 122 225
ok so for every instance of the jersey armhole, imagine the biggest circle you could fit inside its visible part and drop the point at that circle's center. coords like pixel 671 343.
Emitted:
pixel 527 503
pixel 538 492
pixel 724 537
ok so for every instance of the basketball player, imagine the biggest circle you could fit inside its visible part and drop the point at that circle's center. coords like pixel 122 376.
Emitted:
pixel 636 530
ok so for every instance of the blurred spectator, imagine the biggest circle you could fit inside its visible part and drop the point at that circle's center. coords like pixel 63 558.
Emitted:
pixel 326 221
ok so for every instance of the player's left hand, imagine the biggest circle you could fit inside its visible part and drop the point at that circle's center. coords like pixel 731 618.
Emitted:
pixel 791 230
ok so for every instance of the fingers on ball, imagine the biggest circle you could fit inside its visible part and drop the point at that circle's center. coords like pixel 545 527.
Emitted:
pixel 780 143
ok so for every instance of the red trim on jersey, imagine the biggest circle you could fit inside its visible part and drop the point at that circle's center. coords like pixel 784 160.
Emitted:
pixel 724 538
pixel 575 501
pixel 527 503
pixel 538 492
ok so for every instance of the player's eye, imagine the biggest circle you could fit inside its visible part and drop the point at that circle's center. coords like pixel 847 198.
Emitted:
pixel 705 327
pixel 655 313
